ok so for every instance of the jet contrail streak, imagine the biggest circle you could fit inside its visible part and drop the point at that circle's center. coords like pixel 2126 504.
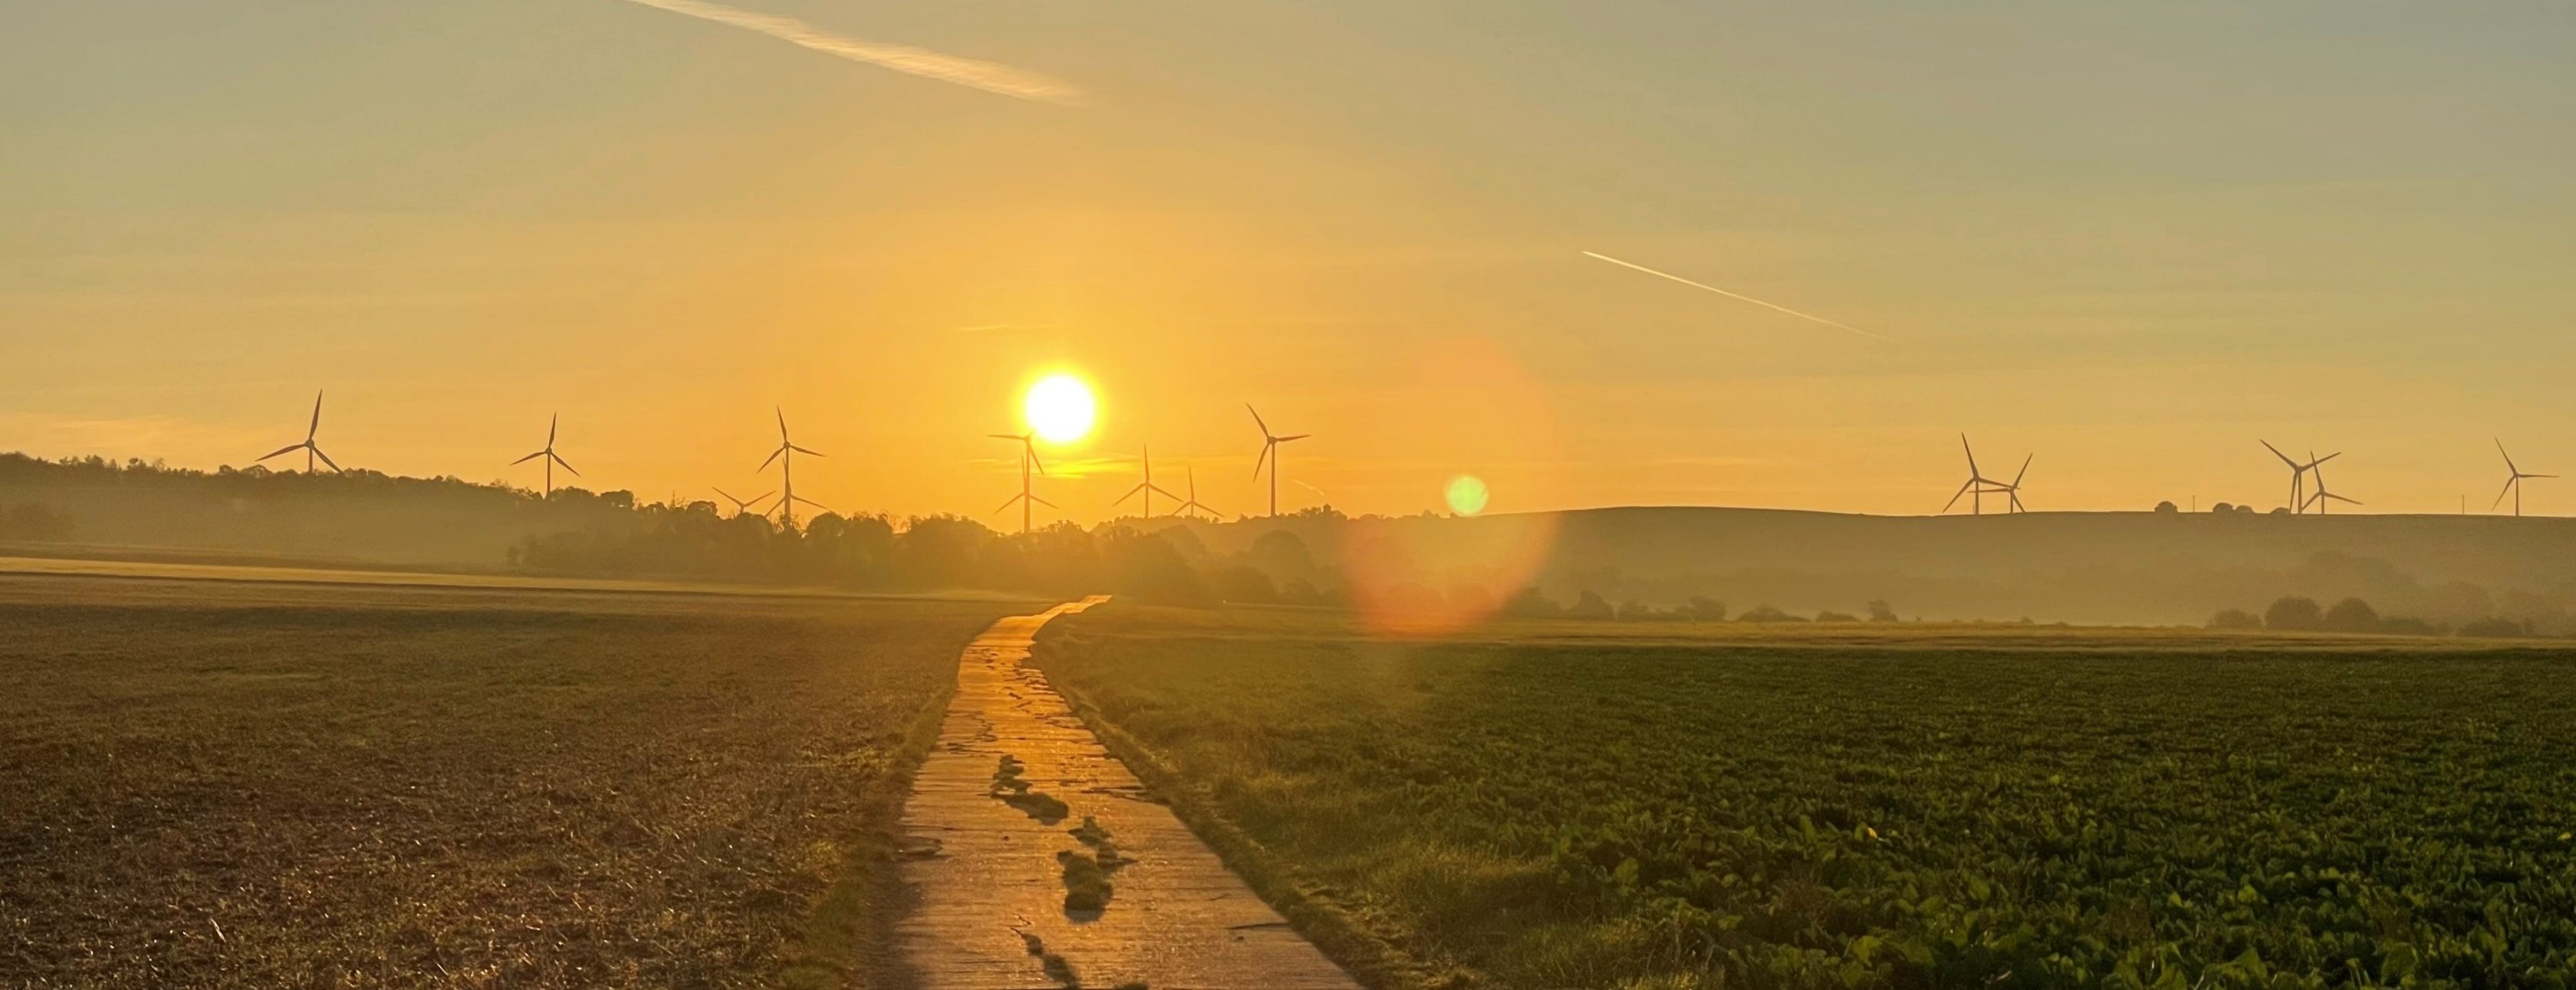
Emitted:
pixel 1723 292
pixel 985 76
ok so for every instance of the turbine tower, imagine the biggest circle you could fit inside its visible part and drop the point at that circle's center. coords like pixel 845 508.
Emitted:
pixel 2316 466
pixel 311 450
pixel 1146 487
pixel 740 506
pixel 1979 486
pixel 1270 454
pixel 785 455
pixel 1193 507
pixel 2298 476
pixel 552 459
pixel 1028 498
pixel 2513 482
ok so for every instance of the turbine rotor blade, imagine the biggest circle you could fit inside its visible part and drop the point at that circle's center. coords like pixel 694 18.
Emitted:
pixel 309 431
pixel 1043 502
pixel 1007 503
pixel 1131 493
pixel 566 465
pixel 1257 462
pixel 1158 490
pixel 550 429
pixel 2276 452
pixel 2508 490
pixel 288 449
pixel 1300 436
pixel 1972 455
pixel 2017 476
pixel 801 450
pixel 1956 496
pixel 528 458
pixel 326 459
pixel 773 455
pixel 1256 420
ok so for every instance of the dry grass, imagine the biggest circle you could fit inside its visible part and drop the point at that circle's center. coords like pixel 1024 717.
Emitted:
pixel 233 785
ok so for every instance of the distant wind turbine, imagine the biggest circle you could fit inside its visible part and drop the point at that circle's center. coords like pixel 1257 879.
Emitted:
pixel 551 458
pixel 740 506
pixel 1146 488
pixel 2298 476
pixel 311 450
pixel 1028 498
pixel 1269 454
pixel 1979 486
pixel 785 455
pixel 1193 507
pixel 2316 467
pixel 2513 483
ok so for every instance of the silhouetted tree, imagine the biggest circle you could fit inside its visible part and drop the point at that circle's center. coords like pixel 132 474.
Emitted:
pixel 1590 605
pixel 2293 612
pixel 1706 609
pixel 1836 617
pixel 2351 615
pixel 1881 611
pixel 1530 603
pixel 2167 509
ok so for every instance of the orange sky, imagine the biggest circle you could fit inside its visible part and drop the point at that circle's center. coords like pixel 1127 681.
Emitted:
pixel 2131 241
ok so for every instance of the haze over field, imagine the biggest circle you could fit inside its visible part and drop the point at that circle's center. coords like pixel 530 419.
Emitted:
pixel 2131 239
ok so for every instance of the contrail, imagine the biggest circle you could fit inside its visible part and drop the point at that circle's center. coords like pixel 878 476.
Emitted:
pixel 1723 292
pixel 985 76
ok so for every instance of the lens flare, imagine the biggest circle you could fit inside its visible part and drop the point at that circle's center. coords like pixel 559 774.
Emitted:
pixel 1059 408
pixel 1467 495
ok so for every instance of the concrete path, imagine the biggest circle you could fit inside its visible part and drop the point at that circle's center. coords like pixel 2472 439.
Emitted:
pixel 983 857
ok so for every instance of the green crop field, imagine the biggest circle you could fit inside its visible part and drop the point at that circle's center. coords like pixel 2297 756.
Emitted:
pixel 1861 808
pixel 221 784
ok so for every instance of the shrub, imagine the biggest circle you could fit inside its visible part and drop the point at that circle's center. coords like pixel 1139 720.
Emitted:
pixel 1766 613
pixel 2495 627
pixel 2293 612
pixel 1836 617
pixel 1881 611
pixel 2352 615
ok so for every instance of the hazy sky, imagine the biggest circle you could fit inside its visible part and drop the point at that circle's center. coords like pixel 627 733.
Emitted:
pixel 2131 238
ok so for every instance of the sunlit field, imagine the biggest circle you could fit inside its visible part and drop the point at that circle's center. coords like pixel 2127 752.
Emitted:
pixel 216 784
pixel 1861 807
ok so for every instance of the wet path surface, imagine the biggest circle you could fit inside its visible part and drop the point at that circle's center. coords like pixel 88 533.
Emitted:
pixel 987 850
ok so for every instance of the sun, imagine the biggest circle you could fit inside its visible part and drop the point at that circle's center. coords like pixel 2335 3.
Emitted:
pixel 1059 407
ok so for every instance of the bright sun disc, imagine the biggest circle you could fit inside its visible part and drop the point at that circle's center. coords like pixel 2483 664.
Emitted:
pixel 1467 495
pixel 1059 408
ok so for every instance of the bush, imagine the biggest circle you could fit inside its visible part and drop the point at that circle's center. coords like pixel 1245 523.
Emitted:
pixel 2495 627
pixel 2235 618
pixel 1765 613
pixel 1590 605
pixel 2293 612
pixel 1706 609
pixel 2167 508
pixel 1881 611
pixel 1836 617
pixel 2351 615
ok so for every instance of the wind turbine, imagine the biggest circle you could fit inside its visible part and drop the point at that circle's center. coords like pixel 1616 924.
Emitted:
pixel 1193 507
pixel 2298 476
pixel 2513 483
pixel 1028 498
pixel 311 450
pixel 741 507
pixel 2316 466
pixel 785 455
pixel 552 459
pixel 1146 488
pixel 1269 453
pixel 1979 486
